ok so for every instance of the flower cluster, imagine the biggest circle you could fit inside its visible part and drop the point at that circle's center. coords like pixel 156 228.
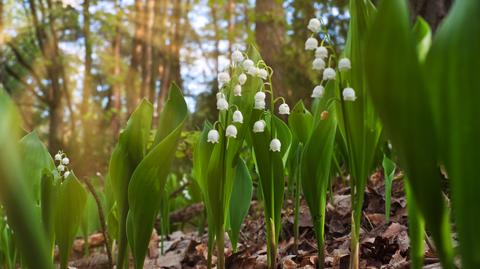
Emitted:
pixel 234 78
pixel 323 62
pixel 62 160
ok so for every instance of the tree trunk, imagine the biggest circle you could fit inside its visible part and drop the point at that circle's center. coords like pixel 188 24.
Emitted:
pixel 269 34
pixel 116 87
pixel 147 49
pixel 433 11
pixel 171 72
pixel 132 81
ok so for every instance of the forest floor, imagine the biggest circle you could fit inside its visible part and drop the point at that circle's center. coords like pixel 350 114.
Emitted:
pixel 383 244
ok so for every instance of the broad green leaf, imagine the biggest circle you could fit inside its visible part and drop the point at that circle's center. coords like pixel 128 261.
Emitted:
pixel 389 173
pixel 148 179
pixel 400 97
pixel 452 69
pixel 315 170
pixel 16 197
pixel 48 200
pixel 423 37
pixel 300 122
pixel 128 153
pixel 70 204
pixel 416 229
pixel 35 158
pixel 358 122
pixel 240 200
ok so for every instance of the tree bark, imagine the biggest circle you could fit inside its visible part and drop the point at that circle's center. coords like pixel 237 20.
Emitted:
pixel 132 81
pixel 147 49
pixel 117 87
pixel 270 37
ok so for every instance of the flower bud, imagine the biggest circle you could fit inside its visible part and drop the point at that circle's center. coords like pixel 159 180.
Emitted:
pixel 324 115
pixel 220 95
pixel 252 71
pixel 311 43
pixel 58 157
pixel 262 73
pixel 231 131
pixel 223 78
pixel 318 91
pixel 61 168
pixel 65 161
pixel 318 64
pixel 66 174
pixel 344 64
pixel 275 145
pixel 321 52
pixel 259 104
pixel 349 94
pixel 237 56
pixel 213 136
pixel 222 104
pixel 242 78
pixel 314 25
pixel 259 126
pixel 329 74
pixel 284 109
pixel 237 90
pixel 260 96
pixel 247 64
pixel 237 116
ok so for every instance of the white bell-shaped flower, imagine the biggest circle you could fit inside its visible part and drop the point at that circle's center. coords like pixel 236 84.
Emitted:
pixel 66 174
pixel 237 56
pixel 58 157
pixel 344 64
pixel 242 78
pixel 213 136
pixel 349 94
pixel 284 109
pixel 231 131
pixel 222 104
pixel 314 25
pixel 252 71
pixel 318 91
pixel 259 104
pixel 247 64
pixel 259 126
pixel 318 64
pixel 223 78
pixel 262 73
pixel 237 90
pixel 65 161
pixel 237 116
pixel 321 52
pixel 275 145
pixel 311 43
pixel 329 74
pixel 61 168
pixel 260 96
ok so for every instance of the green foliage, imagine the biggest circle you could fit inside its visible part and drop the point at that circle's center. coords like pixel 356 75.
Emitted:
pixel 70 204
pixel 239 201
pixel 16 197
pixel 316 162
pixel 270 166
pixel 389 173
pixel 138 172
pixel 451 75
pixel 416 228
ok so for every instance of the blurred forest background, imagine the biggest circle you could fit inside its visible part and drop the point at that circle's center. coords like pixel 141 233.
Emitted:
pixel 77 68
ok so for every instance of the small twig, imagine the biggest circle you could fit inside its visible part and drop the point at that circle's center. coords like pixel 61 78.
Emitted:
pixel 102 220
pixel 179 190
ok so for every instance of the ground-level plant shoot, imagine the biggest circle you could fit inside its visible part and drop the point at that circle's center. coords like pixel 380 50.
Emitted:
pixel 239 134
